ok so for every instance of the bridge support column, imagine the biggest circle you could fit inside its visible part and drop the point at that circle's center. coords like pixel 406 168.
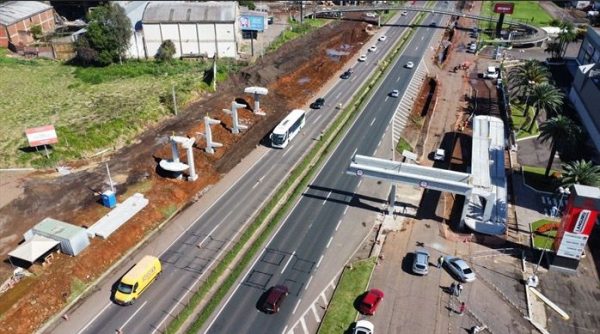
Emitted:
pixel 392 200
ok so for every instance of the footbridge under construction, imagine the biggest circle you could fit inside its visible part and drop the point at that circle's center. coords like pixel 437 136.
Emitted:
pixel 484 188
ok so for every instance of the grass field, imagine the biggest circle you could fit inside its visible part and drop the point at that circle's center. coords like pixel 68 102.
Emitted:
pixel 91 108
pixel 528 12
pixel 341 312
pixel 521 123
pixel 534 176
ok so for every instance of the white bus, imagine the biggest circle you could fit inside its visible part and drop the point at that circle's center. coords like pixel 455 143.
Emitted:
pixel 288 128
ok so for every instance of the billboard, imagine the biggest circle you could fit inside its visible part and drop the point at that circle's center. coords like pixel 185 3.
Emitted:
pixel 42 135
pixel 252 22
pixel 504 7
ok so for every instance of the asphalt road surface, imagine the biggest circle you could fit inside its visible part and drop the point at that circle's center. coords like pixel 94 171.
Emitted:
pixel 292 256
pixel 194 252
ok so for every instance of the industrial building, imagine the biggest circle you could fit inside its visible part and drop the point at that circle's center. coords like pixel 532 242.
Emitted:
pixel 18 17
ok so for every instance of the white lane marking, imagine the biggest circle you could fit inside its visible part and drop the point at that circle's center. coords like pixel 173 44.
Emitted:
pixel 398 79
pixel 373 121
pixel 210 233
pixel 323 298
pixel 325 200
pixel 417 48
pixel 320 259
pixel 304 326
pixel 359 182
pixel 329 242
pixel 307 284
pixel 317 318
pixel 339 222
pixel 387 97
pixel 284 329
pixel 318 117
pixel 346 210
pixel 353 153
pixel 133 315
pixel 288 261
pixel 259 180
pixel 338 95
pixel 287 149
pixel 297 304
pixel 94 319
pixel 422 38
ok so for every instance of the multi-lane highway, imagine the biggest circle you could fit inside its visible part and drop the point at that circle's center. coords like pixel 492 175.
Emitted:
pixel 293 254
pixel 298 244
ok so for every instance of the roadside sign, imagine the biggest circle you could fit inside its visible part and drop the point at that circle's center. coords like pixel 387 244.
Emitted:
pixel 42 135
pixel 252 22
pixel 504 7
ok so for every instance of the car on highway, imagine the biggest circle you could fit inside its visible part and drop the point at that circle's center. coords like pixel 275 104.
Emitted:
pixel 274 298
pixel 369 302
pixel 433 24
pixel 382 38
pixel 421 261
pixel 373 48
pixel 459 268
pixel 439 155
pixel 318 103
pixel 404 13
pixel 362 58
pixel 394 93
pixel 410 64
pixel 347 74
pixel 363 327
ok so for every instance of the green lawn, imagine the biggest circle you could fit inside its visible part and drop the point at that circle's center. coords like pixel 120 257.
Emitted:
pixel 521 123
pixel 543 240
pixel 341 312
pixel 534 176
pixel 91 108
pixel 528 12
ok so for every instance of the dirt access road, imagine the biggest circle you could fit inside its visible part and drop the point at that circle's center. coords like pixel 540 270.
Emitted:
pixel 293 75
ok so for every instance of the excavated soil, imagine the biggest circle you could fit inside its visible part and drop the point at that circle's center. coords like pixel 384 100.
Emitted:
pixel 293 75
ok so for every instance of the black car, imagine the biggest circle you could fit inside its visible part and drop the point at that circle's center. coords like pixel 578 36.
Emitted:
pixel 318 103
pixel 347 74
pixel 273 299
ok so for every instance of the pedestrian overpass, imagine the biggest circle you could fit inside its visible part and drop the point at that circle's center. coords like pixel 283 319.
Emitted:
pixel 484 188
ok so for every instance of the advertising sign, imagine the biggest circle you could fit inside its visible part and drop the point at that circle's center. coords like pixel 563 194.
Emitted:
pixel 504 7
pixel 582 219
pixel 572 245
pixel 252 22
pixel 42 135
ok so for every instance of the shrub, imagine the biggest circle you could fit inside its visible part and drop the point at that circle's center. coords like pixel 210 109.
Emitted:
pixel 165 51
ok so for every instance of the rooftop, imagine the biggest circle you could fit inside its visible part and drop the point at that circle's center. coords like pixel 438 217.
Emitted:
pixel 15 11
pixel 58 228
pixel 177 11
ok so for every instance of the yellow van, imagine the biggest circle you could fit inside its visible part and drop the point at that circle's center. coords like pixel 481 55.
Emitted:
pixel 137 280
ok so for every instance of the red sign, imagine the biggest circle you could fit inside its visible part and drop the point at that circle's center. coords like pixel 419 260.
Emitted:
pixel 504 7
pixel 42 135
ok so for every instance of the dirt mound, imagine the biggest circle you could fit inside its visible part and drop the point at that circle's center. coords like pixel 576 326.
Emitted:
pixel 293 75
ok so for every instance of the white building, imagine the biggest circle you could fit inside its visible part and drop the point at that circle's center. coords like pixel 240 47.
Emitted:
pixel 135 11
pixel 196 28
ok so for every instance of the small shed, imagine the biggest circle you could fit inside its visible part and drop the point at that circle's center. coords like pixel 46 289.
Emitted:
pixel 34 248
pixel 73 239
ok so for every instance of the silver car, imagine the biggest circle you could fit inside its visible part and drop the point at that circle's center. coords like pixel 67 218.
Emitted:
pixel 421 262
pixel 459 268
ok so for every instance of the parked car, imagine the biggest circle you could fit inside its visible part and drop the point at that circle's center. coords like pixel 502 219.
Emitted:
pixel 439 155
pixel 369 302
pixel 373 48
pixel 362 58
pixel 491 73
pixel 394 93
pixel 318 103
pixel 421 261
pixel 459 268
pixel 363 327
pixel 410 64
pixel 473 47
pixel 347 74
pixel 382 38
pixel 275 297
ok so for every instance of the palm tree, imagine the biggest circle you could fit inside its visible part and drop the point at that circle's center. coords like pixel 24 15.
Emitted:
pixel 566 35
pixel 581 172
pixel 559 131
pixel 522 78
pixel 547 98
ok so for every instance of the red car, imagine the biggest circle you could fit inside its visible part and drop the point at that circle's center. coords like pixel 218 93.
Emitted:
pixel 368 303
pixel 274 298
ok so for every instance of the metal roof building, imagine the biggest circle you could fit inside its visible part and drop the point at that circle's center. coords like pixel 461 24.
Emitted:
pixel 18 17
pixel 73 239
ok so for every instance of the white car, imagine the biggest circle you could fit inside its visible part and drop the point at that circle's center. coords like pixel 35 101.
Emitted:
pixel 459 268
pixel 410 64
pixel 382 38
pixel 404 13
pixel 491 73
pixel 440 155
pixel 373 48
pixel 362 58
pixel 363 327
pixel 394 93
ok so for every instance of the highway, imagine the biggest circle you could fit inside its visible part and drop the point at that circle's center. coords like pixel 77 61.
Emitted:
pixel 293 254
pixel 190 256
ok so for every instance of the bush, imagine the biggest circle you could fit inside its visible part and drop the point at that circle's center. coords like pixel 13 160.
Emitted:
pixel 165 51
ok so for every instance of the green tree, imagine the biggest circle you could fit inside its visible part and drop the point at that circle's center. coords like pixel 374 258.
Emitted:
pixel 580 172
pixel 165 51
pixel 545 97
pixel 559 131
pixel 108 33
pixel 566 36
pixel 249 4
pixel 523 78
pixel 554 49
pixel 36 31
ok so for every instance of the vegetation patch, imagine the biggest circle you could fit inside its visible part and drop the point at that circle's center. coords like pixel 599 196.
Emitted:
pixel 403 145
pixel 341 312
pixel 535 177
pixel 546 239
pixel 529 12
pixel 521 123
pixel 296 30
pixel 77 287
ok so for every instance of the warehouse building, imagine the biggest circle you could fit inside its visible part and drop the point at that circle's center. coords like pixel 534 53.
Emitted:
pixel 18 17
